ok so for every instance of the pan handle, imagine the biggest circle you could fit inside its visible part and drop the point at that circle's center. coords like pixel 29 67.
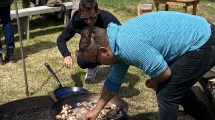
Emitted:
pixel 53 75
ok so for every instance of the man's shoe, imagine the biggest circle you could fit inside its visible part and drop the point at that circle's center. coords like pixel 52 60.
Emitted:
pixel 9 57
pixel 1 59
pixel 91 73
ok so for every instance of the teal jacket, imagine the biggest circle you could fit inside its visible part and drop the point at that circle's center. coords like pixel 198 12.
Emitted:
pixel 152 41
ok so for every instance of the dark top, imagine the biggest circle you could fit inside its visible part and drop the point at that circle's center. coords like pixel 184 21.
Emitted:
pixel 4 3
pixel 76 24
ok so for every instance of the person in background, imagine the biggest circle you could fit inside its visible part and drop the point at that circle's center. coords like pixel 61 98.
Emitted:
pixel 88 14
pixel 8 31
pixel 174 49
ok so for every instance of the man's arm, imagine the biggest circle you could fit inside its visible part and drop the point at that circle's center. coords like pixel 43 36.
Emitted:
pixel 110 89
pixel 162 77
pixel 105 97
pixel 65 36
pixel 106 18
pixel 153 82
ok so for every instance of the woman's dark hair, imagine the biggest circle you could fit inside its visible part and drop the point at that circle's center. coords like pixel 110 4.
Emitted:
pixel 87 5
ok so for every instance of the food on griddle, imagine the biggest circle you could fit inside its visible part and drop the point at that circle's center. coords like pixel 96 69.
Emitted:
pixel 109 112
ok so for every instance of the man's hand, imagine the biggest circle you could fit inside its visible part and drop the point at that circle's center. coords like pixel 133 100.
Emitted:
pixel 91 115
pixel 150 84
pixel 105 97
pixel 68 62
pixel 153 82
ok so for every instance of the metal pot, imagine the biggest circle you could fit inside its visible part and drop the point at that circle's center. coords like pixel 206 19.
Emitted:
pixel 62 92
pixel 31 108
pixel 88 97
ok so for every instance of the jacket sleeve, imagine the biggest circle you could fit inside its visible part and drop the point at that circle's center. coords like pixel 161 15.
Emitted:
pixel 107 18
pixel 65 36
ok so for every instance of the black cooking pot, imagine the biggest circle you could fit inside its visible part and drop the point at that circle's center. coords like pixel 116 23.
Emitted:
pixel 63 92
pixel 88 97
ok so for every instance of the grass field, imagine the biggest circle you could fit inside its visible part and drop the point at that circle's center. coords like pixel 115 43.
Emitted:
pixel 41 48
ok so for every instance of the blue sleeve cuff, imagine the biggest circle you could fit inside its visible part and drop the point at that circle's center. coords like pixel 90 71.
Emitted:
pixel 111 86
pixel 115 76
pixel 163 67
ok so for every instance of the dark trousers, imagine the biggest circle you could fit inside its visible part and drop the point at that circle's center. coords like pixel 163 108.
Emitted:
pixel 186 71
pixel 7 27
pixel 85 64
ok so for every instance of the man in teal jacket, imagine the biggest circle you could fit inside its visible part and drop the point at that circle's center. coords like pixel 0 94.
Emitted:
pixel 174 49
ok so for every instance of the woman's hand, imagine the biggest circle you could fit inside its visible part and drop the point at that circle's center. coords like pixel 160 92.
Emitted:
pixel 68 62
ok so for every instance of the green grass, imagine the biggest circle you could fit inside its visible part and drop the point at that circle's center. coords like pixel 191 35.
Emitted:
pixel 41 48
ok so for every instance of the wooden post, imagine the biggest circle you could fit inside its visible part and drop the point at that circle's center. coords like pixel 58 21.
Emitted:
pixel 166 7
pixel 25 20
pixel 144 8
pixel 182 3
pixel 25 3
pixel 156 6
pixel 66 17
pixel 185 9
pixel 194 9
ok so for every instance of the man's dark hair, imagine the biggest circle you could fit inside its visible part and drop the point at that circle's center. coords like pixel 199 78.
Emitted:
pixel 91 39
pixel 87 5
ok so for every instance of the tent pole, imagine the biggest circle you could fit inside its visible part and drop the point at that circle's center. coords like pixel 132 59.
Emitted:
pixel 21 46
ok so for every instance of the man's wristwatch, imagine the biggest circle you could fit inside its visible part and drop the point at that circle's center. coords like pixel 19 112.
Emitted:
pixel 154 81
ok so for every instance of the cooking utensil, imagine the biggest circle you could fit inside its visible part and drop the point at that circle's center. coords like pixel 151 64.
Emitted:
pixel 88 97
pixel 62 92
pixel 31 108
